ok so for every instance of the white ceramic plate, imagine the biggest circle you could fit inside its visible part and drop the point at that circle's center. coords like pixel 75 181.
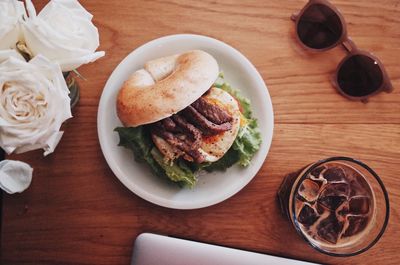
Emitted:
pixel 213 187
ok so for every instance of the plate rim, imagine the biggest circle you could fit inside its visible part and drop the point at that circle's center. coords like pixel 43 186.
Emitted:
pixel 150 197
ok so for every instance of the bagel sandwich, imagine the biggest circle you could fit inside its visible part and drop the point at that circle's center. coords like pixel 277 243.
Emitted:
pixel 179 119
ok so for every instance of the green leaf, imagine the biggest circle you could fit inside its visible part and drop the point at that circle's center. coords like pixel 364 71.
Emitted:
pixel 176 171
pixel 229 159
pixel 247 142
pixel 135 138
pixel 139 141
pixel 245 105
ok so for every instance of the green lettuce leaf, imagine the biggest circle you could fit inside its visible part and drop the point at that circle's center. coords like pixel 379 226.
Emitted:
pixel 229 159
pixel 176 171
pixel 247 142
pixel 139 141
pixel 245 105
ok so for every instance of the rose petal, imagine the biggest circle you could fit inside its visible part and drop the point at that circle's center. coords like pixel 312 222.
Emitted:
pixel 6 54
pixel 63 32
pixel 11 13
pixel 15 176
pixel 71 64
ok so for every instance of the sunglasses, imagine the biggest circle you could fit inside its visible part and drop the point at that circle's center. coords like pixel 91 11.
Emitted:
pixel 320 27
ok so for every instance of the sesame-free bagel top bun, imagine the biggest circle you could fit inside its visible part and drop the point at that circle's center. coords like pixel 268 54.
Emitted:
pixel 165 86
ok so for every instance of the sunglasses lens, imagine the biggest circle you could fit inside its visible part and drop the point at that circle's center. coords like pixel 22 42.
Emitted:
pixel 319 27
pixel 359 76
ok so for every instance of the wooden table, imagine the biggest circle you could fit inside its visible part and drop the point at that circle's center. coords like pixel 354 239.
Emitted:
pixel 77 212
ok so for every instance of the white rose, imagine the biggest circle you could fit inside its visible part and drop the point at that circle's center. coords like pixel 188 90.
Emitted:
pixel 6 54
pixel 34 103
pixel 63 32
pixel 11 13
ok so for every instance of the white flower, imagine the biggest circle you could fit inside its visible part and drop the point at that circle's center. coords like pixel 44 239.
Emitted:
pixel 11 13
pixel 6 54
pixel 15 176
pixel 34 103
pixel 63 32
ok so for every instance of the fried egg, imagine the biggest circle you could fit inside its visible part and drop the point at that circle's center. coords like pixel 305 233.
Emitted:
pixel 214 147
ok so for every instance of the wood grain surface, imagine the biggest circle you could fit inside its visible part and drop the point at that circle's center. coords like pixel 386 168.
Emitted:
pixel 77 212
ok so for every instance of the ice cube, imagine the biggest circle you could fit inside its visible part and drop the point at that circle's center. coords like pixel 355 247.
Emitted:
pixel 321 209
pixel 356 225
pixel 316 171
pixel 359 205
pixel 336 189
pixel 334 174
pixel 332 202
pixel 307 215
pixel 359 186
pixel 333 195
pixel 309 190
pixel 329 229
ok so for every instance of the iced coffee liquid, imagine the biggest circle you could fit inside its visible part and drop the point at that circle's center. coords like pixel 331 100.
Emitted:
pixel 334 205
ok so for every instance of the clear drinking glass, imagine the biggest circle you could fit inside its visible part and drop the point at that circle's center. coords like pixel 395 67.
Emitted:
pixel 73 87
pixel 338 205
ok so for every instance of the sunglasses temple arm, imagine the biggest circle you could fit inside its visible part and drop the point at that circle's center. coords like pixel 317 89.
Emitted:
pixel 349 45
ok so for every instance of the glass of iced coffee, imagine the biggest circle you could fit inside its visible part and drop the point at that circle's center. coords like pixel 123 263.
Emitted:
pixel 338 205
